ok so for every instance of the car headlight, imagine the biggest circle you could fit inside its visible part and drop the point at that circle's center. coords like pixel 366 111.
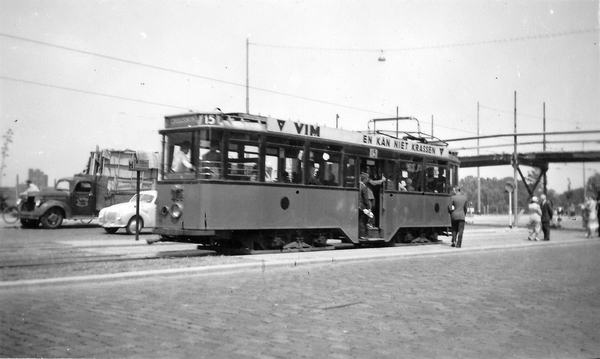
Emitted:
pixel 38 202
pixel 176 210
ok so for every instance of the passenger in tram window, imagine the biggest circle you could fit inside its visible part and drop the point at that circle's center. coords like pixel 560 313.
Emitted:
pixel 409 186
pixel 211 161
pixel 402 185
pixel 181 161
pixel 329 178
pixel 314 175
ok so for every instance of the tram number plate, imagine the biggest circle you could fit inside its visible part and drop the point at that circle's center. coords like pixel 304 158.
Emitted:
pixel 373 152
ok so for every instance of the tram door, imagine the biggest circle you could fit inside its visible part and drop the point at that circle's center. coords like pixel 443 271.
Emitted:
pixel 375 170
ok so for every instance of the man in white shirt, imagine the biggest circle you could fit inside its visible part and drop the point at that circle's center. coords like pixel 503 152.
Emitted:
pixel 181 162
pixel 31 189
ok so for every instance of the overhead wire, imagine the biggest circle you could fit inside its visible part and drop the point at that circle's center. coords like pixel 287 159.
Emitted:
pixel 429 47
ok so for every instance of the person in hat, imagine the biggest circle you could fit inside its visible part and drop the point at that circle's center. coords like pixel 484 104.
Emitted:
pixel 535 219
pixel 31 188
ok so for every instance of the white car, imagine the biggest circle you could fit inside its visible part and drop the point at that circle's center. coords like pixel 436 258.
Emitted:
pixel 122 215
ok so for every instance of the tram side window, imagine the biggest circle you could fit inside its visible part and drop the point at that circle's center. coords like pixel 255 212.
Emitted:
pixel 410 176
pixel 178 150
pixel 350 172
pixel 324 168
pixel 432 174
pixel 391 184
pixel 210 159
pixel 272 165
pixel 243 162
pixel 293 165
pixel 452 177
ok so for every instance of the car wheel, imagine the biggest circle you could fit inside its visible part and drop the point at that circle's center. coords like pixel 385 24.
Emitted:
pixel 52 219
pixel 29 223
pixel 111 230
pixel 132 223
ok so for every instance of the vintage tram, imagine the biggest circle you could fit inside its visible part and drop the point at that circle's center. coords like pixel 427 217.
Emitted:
pixel 241 183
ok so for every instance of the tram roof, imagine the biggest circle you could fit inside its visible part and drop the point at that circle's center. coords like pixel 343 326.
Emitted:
pixel 257 123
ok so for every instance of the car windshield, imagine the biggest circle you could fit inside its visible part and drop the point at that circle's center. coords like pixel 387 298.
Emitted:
pixel 144 198
pixel 63 186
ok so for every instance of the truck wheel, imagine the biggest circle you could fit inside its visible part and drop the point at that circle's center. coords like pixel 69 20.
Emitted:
pixel 111 230
pixel 52 219
pixel 132 223
pixel 29 223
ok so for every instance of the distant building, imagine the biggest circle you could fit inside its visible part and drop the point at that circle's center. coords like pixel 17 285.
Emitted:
pixel 38 177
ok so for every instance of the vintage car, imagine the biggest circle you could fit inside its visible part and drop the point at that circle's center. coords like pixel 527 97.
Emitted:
pixel 122 215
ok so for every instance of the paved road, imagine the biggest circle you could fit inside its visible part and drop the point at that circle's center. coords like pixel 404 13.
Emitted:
pixel 500 296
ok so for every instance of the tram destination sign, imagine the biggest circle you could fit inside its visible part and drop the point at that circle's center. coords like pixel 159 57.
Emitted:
pixel 192 120
pixel 302 129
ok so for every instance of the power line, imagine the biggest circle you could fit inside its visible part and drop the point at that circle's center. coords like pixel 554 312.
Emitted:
pixel 180 73
pixel 532 116
pixel 90 92
pixel 433 47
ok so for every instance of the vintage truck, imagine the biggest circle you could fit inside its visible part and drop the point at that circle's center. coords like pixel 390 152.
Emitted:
pixel 106 180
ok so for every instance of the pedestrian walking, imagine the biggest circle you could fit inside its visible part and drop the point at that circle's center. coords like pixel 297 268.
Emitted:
pixel 535 219
pixel 458 210
pixel 592 223
pixel 546 216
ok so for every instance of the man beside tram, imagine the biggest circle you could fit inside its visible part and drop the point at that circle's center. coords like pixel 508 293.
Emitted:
pixel 181 161
pixel 364 205
pixel 458 212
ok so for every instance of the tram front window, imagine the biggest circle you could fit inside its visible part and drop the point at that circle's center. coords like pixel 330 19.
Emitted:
pixel 179 159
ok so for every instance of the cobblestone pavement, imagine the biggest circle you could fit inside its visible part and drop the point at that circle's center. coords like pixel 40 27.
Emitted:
pixel 488 299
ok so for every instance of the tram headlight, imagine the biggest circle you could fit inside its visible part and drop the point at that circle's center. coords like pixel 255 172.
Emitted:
pixel 176 211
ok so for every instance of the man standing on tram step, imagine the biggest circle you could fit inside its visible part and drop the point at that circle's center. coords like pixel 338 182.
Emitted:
pixel 458 210
pixel 364 205
pixel 546 217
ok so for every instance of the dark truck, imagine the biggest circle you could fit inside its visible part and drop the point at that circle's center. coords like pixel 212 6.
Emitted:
pixel 107 180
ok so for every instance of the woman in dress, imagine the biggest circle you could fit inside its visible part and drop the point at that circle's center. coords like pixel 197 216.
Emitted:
pixel 592 222
pixel 535 219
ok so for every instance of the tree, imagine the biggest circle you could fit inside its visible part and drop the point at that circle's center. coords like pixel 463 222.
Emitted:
pixel 7 141
pixel 593 185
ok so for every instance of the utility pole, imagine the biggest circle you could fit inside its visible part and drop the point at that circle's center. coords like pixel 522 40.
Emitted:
pixel 515 166
pixel 478 176
pixel 247 75
pixel 544 144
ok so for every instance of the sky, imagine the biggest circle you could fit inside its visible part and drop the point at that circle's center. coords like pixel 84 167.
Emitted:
pixel 79 74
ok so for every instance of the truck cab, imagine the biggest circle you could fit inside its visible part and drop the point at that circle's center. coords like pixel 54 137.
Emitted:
pixel 72 198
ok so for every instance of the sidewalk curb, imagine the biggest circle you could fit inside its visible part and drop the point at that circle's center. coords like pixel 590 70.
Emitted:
pixel 280 261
